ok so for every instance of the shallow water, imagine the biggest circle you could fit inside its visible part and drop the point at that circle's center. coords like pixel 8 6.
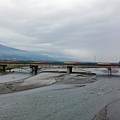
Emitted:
pixel 18 74
pixel 61 102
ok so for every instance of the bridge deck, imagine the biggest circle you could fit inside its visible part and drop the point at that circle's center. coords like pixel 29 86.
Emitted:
pixel 60 63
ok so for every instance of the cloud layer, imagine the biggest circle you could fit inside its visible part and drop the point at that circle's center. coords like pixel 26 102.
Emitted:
pixel 73 28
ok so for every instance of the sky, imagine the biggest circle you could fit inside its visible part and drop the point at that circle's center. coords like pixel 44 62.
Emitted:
pixel 86 30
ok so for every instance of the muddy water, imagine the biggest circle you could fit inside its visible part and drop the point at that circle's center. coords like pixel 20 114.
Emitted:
pixel 61 102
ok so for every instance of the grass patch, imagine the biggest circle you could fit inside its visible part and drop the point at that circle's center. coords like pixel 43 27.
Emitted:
pixel 9 67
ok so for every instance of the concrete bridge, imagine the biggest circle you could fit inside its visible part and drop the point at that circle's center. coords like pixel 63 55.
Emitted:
pixel 69 65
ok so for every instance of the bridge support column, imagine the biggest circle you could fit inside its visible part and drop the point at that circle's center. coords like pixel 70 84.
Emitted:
pixel 69 69
pixel 4 66
pixel 34 69
pixel 109 71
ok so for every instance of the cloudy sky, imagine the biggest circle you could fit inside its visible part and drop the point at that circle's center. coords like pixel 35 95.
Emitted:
pixel 79 29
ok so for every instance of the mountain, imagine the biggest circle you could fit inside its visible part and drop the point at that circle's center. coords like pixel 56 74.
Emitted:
pixel 10 53
pixel 16 54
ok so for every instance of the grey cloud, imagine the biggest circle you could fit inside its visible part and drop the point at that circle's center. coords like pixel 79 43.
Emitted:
pixel 62 26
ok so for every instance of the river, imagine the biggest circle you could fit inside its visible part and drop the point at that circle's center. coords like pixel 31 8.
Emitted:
pixel 16 74
pixel 60 101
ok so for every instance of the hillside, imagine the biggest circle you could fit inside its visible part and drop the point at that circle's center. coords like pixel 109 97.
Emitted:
pixel 16 54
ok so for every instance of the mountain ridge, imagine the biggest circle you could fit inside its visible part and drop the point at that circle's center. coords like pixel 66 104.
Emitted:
pixel 13 53
pixel 10 53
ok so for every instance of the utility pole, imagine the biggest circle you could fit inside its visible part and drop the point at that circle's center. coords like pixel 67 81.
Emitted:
pixel 95 58
pixel 4 57
pixel 46 57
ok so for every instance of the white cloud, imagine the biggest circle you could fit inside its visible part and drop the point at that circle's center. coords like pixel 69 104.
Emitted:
pixel 81 54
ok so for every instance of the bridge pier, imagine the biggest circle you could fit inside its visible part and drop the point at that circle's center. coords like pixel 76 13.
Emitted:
pixel 34 69
pixel 3 66
pixel 109 71
pixel 69 69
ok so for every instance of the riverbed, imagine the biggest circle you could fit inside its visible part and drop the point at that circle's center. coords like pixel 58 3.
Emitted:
pixel 62 101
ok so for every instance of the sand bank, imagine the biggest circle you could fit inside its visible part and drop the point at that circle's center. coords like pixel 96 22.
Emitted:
pixel 45 79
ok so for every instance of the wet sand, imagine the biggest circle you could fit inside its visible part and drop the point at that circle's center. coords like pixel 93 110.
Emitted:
pixel 109 112
pixel 102 115
pixel 45 79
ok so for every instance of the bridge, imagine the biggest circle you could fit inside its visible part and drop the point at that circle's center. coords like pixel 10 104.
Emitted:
pixel 69 65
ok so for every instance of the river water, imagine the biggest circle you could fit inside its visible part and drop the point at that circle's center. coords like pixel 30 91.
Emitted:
pixel 16 74
pixel 61 102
